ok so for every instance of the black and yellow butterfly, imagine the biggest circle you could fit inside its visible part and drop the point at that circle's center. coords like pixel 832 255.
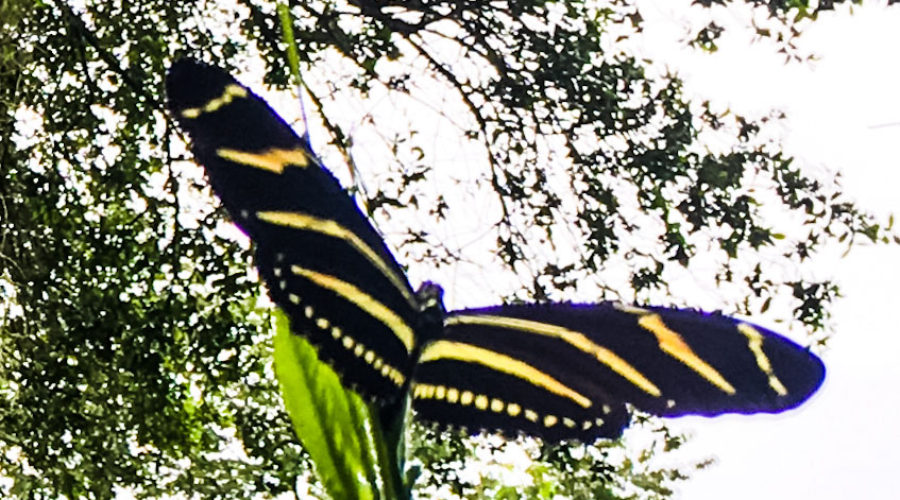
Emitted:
pixel 557 371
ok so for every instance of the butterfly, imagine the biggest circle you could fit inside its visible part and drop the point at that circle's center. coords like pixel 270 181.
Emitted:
pixel 557 371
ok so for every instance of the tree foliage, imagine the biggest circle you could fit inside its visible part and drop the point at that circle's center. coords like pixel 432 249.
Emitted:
pixel 134 347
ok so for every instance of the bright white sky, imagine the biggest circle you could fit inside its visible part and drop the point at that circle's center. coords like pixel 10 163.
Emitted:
pixel 845 443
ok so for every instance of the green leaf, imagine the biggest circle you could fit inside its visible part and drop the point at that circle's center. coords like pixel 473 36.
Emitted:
pixel 333 424
pixel 287 29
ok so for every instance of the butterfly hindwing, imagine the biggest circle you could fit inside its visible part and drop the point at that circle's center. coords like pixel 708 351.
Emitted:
pixel 462 382
pixel 324 264
pixel 574 367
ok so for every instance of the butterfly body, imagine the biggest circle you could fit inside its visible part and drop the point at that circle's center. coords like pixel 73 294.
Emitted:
pixel 557 371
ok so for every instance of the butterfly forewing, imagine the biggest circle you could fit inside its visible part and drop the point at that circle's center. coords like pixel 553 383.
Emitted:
pixel 723 365
pixel 576 365
pixel 323 262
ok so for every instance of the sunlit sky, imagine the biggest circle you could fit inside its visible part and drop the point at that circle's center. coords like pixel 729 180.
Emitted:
pixel 844 114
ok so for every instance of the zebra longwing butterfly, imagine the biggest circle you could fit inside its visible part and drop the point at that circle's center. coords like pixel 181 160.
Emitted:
pixel 557 371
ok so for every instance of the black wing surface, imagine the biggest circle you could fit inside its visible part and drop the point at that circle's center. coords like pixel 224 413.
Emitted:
pixel 566 371
pixel 323 262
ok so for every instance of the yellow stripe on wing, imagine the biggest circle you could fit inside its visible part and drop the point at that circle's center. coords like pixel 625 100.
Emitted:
pixel 572 337
pixel 672 343
pixel 445 349
pixel 228 94
pixel 273 159
pixel 363 301
pixel 755 341
pixel 331 228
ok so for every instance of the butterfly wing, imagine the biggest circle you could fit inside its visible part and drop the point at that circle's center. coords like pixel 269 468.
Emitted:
pixel 564 371
pixel 324 264
pixel 558 371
